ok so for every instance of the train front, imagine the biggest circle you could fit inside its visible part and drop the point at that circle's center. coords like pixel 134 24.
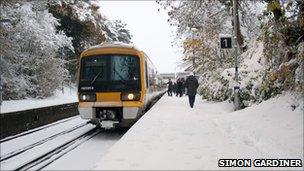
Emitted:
pixel 110 87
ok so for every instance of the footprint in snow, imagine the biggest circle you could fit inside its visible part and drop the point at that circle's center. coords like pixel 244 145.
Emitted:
pixel 215 122
pixel 171 139
pixel 248 140
pixel 120 159
pixel 134 164
pixel 197 156
pixel 188 134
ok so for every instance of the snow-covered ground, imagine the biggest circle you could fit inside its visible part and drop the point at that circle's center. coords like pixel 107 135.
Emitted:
pixel 68 96
pixel 174 136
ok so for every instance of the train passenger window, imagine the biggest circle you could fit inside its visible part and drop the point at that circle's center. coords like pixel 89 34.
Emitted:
pixel 146 71
pixel 151 78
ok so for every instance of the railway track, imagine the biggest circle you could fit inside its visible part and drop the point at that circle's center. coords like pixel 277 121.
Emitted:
pixel 37 129
pixel 21 150
pixel 47 158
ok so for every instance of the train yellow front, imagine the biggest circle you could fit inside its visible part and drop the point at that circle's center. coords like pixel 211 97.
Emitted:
pixel 117 84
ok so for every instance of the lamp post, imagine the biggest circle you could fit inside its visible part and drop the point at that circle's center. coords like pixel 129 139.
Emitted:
pixel 236 87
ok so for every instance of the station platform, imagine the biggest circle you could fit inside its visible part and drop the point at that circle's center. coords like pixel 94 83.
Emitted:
pixel 173 136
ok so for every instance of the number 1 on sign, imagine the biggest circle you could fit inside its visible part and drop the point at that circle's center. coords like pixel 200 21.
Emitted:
pixel 226 42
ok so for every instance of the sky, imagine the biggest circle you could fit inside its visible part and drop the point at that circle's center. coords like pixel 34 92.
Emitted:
pixel 150 29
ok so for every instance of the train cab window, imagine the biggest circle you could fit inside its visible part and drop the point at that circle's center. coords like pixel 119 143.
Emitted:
pixel 93 67
pixel 110 73
pixel 124 68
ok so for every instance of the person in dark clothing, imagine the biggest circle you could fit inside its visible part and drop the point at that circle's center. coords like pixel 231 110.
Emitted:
pixel 183 86
pixel 179 88
pixel 174 89
pixel 170 87
pixel 191 85
pixel 177 81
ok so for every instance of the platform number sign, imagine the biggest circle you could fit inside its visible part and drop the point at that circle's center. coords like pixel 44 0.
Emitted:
pixel 226 42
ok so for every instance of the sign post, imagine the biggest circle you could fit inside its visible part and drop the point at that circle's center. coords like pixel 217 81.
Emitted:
pixel 226 43
pixel 236 87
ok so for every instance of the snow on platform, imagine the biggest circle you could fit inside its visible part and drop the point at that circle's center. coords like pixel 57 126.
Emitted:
pixel 172 136
pixel 59 98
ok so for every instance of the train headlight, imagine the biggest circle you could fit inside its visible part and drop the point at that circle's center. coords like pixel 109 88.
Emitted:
pixel 87 97
pixel 131 96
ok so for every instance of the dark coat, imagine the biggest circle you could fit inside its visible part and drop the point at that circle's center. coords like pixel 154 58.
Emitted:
pixel 170 85
pixel 191 85
pixel 179 84
pixel 174 87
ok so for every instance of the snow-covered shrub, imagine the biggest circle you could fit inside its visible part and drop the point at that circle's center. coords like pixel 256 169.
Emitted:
pixel 31 65
pixel 299 72
pixel 214 87
pixel 284 54
pixel 259 79
pixel 265 71
pixel 219 85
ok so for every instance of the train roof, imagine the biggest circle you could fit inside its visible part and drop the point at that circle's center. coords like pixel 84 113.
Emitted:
pixel 106 45
pixel 113 45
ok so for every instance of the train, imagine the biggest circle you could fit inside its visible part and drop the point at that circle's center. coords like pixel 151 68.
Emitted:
pixel 117 84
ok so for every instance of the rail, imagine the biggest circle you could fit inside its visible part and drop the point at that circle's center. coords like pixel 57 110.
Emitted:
pixel 44 160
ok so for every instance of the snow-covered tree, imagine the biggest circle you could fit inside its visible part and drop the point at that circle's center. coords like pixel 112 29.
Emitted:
pixel 41 44
pixel 116 31
pixel 30 62
pixel 205 21
pixel 84 22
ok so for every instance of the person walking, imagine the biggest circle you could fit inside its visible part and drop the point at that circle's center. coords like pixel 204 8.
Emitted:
pixel 174 88
pixel 191 85
pixel 183 86
pixel 179 87
pixel 170 87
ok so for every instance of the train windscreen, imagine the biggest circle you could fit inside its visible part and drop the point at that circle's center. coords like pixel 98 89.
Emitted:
pixel 109 73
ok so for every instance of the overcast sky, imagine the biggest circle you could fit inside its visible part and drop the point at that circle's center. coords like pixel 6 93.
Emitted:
pixel 150 29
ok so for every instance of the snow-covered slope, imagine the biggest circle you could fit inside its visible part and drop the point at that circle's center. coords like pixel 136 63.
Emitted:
pixel 174 136
pixel 59 98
